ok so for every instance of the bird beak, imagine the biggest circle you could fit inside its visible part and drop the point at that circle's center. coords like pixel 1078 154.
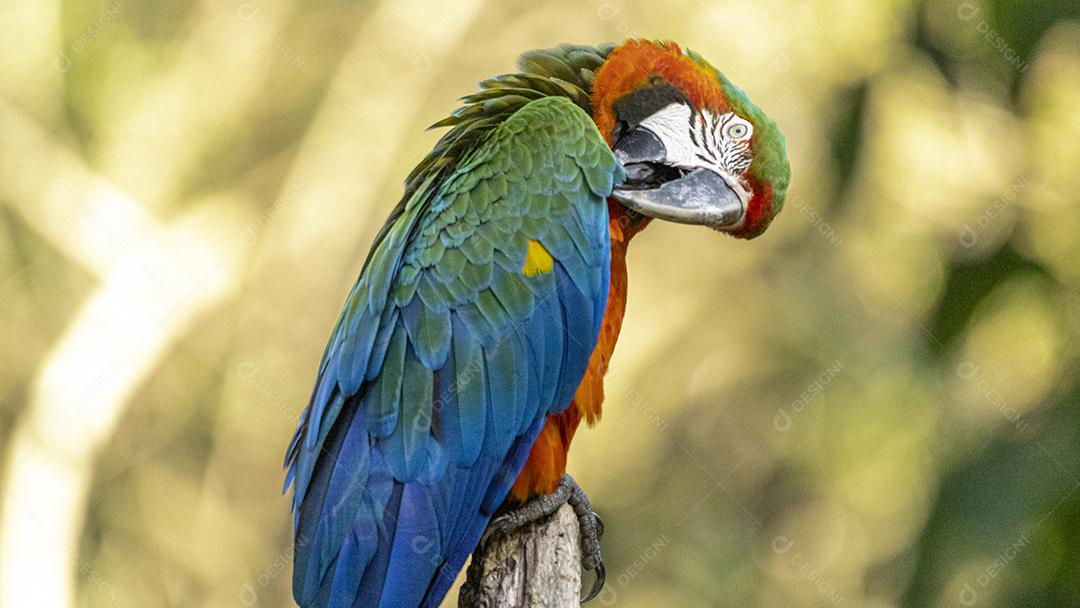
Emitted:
pixel 701 197
pixel 654 188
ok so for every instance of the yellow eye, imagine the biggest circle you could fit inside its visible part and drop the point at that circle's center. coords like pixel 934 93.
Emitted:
pixel 737 131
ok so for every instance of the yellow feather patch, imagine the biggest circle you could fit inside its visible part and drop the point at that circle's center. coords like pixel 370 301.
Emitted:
pixel 537 260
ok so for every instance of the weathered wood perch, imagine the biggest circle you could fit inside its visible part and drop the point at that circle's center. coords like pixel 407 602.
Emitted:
pixel 535 566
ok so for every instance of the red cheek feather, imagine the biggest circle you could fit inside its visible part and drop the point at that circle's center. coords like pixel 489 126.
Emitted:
pixel 758 211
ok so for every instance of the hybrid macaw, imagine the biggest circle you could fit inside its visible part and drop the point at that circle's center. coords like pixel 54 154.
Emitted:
pixel 476 338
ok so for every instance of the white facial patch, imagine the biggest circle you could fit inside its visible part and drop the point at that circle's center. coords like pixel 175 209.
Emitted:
pixel 703 140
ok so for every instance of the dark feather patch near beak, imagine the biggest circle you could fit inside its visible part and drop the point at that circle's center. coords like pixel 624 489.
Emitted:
pixel 639 146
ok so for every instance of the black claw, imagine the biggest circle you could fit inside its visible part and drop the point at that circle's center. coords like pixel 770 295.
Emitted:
pixel 592 528
pixel 532 511
pixel 598 583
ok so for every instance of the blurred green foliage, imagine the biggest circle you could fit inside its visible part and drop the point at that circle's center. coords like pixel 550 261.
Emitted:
pixel 875 404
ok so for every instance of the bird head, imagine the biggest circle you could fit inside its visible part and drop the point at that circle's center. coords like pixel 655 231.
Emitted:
pixel 696 150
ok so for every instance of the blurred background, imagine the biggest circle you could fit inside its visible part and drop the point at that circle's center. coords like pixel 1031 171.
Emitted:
pixel 875 404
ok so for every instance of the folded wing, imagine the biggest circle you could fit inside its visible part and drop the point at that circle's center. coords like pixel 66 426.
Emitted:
pixel 447 358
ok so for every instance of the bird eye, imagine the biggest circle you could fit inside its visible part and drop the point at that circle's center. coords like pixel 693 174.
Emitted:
pixel 738 131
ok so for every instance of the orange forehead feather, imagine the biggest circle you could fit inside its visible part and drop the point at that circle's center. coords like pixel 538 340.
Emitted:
pixel 631 66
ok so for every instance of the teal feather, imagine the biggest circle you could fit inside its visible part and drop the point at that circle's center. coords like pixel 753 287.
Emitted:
pixel 470 397
pixel 458 289
pixel 434 292
pixel 429 332
pixel 514 294
pixel 501 360
pixel 477 249
pixel 477 276
pixel 493 311
pixel 382 343
pixel 387 387
pixel 406 448
pixel 525 382
pixel 451 265
pixel 477 322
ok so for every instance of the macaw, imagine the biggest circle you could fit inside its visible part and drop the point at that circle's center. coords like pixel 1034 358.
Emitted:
pixel 476 338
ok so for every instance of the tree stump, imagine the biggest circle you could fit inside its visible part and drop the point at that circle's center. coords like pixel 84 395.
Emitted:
pixel 535 566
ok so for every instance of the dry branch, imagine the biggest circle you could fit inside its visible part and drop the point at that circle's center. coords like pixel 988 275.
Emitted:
pixel 535 566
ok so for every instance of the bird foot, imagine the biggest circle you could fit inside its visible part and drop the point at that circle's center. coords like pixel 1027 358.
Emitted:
pixel 590 524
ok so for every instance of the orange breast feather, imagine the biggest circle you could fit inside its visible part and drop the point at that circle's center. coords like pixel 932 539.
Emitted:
pixel 547 461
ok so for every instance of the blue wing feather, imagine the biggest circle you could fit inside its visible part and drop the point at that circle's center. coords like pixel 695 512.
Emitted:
pixel 577 319
pixel 480 505
pixel 417 547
